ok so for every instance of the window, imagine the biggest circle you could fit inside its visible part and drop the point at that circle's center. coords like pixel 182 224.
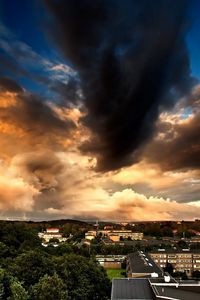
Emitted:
pixel 172 261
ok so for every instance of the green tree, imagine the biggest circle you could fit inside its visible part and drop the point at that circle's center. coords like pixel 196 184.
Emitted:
pixel 64 248
pixel 4 250
pixel 17 291
pixel 182 244
pixel 18 234
pixel 1 284
pixel 1 291
pixel 50 288
pixel 28 267
pixel 5 280
pixel 92 280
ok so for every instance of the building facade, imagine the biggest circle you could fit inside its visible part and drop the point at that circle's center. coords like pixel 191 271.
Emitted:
pixel 115 235
pixel 126 234
pixel 90 235
pixel 182 261
pixel 51 233
pixel 111 261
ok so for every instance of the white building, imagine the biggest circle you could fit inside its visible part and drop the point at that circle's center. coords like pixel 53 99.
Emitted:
pixel 51 233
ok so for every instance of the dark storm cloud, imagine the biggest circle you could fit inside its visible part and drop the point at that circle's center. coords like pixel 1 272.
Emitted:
pixel 132 61
pixel 179 149
pixel 8 84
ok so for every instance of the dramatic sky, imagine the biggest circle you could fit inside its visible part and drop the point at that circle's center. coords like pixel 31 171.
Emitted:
pixel 100 109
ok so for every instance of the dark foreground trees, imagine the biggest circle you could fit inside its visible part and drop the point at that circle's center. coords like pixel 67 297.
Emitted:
pixel 50 288
pixel 29 271
pixel 84 279
pixel 33 276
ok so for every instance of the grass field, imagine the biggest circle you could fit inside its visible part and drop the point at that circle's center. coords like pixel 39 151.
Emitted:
pixel 115 273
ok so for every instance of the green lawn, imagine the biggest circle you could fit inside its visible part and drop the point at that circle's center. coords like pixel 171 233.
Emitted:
pixel 115 273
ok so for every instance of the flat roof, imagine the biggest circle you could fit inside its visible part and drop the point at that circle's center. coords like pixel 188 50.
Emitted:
pixel 145 289
pixel 161 280
pixel 131 288
pixel 141 262
pixel 52 233
pixel 52 228
pixel 177 293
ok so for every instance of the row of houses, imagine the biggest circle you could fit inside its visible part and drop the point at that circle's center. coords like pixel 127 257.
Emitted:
pixel 114 235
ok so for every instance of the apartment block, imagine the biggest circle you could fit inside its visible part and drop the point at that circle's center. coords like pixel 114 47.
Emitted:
pixel 182 261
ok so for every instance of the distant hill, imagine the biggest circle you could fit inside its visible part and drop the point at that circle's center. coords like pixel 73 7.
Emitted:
pixel 53 223
pixel 62 222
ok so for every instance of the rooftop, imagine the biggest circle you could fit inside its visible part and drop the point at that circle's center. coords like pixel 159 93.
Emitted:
pixel 52 229
pixel 151 289
pixel 124 289
pixel 140 262
pixel 177 293
pixel 52 233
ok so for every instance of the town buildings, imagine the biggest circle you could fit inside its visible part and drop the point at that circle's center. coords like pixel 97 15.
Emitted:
pixel 147 281
pixel 181 261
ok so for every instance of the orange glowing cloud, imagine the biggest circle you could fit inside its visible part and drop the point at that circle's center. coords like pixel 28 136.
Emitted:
pixel 7 99
pixel 43 172
pixel 15 193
